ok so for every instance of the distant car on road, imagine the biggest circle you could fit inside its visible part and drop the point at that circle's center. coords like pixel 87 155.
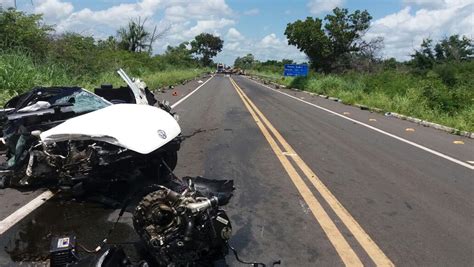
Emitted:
pixel 220 68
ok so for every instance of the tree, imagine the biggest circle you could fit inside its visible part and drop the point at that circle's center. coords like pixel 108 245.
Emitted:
pixel 368 57
pixel 108 44
pixel 24 31
pixel 179 55
pixel 76 52
pixel 423 58
pixel 329 44
pixel 206 46
pixel 390 63
pixel 287 61
pixel 371 49
pixel 136 38
pixel 245 62
pixel 453 48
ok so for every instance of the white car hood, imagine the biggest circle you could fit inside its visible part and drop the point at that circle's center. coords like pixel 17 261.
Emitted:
pixel 140 128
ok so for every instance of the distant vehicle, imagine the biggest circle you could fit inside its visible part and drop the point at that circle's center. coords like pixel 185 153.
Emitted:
pixel 238 71
pixel 220 68
pixel 228 70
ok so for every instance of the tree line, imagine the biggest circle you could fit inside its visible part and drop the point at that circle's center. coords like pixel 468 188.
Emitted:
pixel 336 44
pixel 130 47
pixel 435 84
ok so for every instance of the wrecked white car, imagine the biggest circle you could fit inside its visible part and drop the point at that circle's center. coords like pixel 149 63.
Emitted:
pixel 70 137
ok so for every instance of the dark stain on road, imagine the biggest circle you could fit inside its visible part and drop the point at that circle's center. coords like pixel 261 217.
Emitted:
pixel 89 222
pixel 197 132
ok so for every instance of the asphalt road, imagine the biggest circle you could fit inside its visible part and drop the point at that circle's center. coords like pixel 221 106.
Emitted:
pixel 318 183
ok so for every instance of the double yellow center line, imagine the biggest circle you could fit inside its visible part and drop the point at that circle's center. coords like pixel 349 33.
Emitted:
pixel 344 250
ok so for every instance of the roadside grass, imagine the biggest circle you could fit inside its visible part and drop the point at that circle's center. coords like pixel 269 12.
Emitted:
pixel 20 73
pixel 427 97
pixel 171 77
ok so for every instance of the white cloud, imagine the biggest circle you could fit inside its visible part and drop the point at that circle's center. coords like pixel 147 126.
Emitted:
pixel 178 13
pixel 320 6
pixel 53 10
pixel 209 26
pixel 184 19
pixel 427 3
pixel 403 31
pixel 104 22
pixel 252 12
pixel 268 47
pixel 270 41
pixel 179 10
pixel 175 13
pixel 6 3
pixel 234 35
pixel 233 46
pixel 272 47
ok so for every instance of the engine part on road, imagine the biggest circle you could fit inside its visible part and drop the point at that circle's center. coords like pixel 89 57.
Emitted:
pixel 63 251
pixel 182 226
pixel 185 228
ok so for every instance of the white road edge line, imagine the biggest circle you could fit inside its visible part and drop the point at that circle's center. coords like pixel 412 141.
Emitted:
pixel 22 212
pixel 434 152
pixel 192 92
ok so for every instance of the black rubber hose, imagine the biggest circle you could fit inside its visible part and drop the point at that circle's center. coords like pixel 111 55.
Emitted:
pixel 252 263
pixel 188 231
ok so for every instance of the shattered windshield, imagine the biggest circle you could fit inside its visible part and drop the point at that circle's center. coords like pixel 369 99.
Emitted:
pixel 82 101
pixel 77 98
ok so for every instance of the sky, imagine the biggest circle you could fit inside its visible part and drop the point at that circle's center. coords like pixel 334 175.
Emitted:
pixel 256 26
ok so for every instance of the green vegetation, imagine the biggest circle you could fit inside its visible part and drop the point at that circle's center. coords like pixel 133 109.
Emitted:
pixel 207 45
pixel 19 73
pixel 32 55
pixel 431 97
pixel 436 85
pixel 330 45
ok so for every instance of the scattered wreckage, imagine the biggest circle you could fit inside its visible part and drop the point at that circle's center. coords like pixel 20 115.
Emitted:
pixel 75 138
pixel 183 226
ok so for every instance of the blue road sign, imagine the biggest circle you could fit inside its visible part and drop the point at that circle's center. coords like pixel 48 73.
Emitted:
pixel 296 70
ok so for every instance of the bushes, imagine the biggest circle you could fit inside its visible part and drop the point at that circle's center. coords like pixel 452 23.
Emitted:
pixel 19 30
pixel 444 95
pixel 19 72
pixel 30 55
pixel 447 73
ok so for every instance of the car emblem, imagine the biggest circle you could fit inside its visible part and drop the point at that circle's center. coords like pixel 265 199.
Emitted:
pixel 162 134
